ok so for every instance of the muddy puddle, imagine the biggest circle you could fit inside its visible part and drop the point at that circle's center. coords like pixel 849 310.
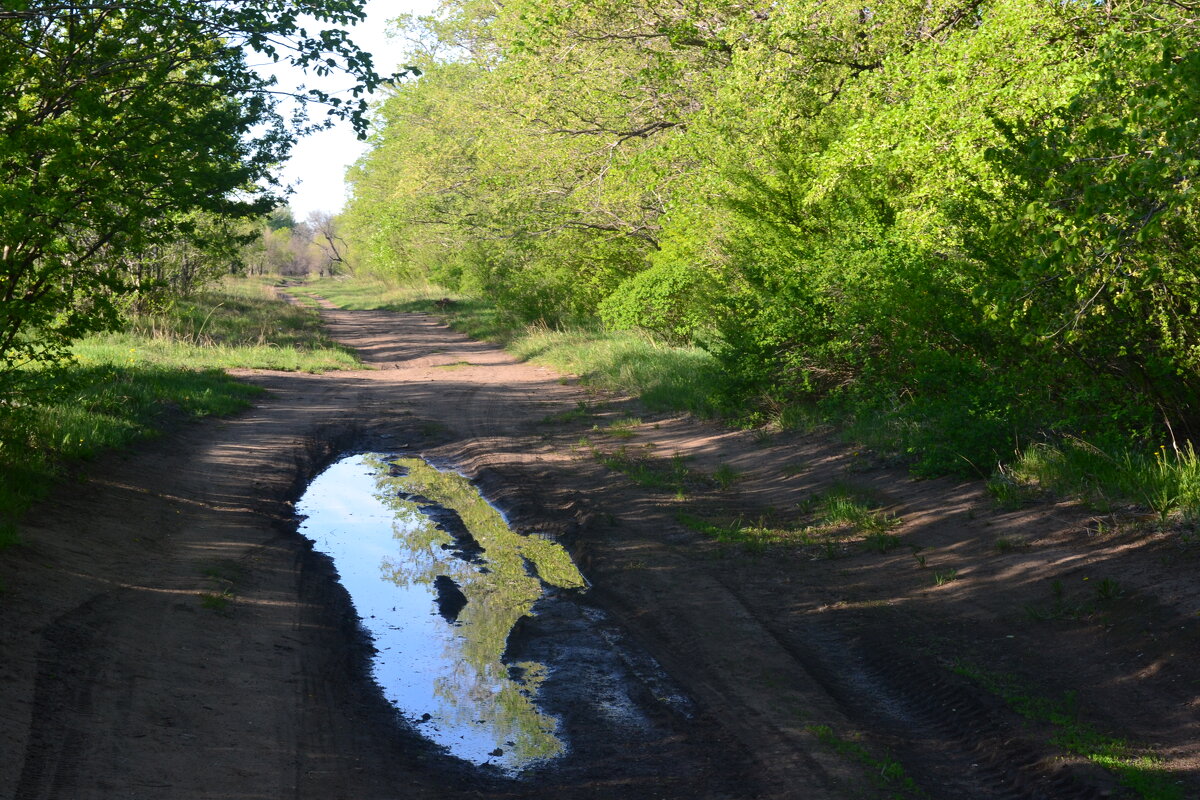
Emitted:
pixel 440 580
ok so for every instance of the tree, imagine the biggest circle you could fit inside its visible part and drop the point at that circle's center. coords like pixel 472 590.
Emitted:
pixel 119 122
pixel 983 210
pixel 328 240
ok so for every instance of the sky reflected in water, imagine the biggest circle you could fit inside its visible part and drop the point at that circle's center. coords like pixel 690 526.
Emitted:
pixel 365 512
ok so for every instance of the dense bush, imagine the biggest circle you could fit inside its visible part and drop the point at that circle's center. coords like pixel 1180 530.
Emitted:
pixel 974 224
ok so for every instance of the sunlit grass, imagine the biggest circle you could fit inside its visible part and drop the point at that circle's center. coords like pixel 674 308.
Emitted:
pixel 1163 479
pixel 123 386
pixel 236 324
pixel 74 413
pixel 842 506
pixel 665 377
pixel 370 293
pixel 1166 481
pixel 755 534
pixel 832 522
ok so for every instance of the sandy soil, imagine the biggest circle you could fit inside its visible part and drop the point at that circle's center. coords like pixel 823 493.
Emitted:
pixel 165 633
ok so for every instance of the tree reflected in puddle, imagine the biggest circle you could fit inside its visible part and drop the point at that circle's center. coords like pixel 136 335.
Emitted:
pixel 411 543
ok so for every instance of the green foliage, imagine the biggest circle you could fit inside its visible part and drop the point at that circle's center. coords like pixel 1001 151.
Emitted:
pixel 123 387
pixel 132 137
pixel 961 230
pixel 1103 215
pixel 676 295
pixel 1166 481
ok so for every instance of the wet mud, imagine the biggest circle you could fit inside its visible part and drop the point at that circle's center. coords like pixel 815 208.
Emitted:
pixel 166 632
pixel 584 691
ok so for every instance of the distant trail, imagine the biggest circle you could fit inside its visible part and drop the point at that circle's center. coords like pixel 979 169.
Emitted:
pixel 167 635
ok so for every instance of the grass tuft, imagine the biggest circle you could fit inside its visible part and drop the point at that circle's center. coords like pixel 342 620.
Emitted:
pixel 842 506
pixel 1166 481
pixel 726 476
pixel 1135 768
pixel 657 475
pixel 886 771
pixel 621 429
pixel 835 519
pixel 944 576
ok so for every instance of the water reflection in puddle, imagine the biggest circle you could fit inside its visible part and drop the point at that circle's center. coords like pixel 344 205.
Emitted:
pixel 439 580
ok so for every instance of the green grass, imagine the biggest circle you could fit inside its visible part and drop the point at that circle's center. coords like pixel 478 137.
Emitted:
pixel 367 293
pixel 754 535
pixel 1166 481
pixel 582 411
pixel 944 576
pixel 620 429
pixel 218 602
pixel 125 386
pixel 881 542
pixel 236 324
pixel 1005 545
pixel 726 476
pixel 887 773
pixel 74 413
pixel 1136 769
pixel 835 518
pixel 1079 605
pixel 1007 491
pixel 843 506
pixel 658 475
pixel 663 376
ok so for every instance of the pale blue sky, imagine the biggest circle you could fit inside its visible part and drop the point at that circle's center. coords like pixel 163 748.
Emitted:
pixel 318 164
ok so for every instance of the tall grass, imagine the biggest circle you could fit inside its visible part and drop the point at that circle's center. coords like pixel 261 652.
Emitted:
pixel 235 324
pixel 124 386
pixel 1166 481
pixel 664 377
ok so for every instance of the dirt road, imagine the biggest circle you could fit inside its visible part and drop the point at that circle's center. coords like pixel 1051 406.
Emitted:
pixel 167 634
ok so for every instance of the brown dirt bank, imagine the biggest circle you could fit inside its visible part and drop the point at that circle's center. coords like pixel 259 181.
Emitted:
pixel 165 633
